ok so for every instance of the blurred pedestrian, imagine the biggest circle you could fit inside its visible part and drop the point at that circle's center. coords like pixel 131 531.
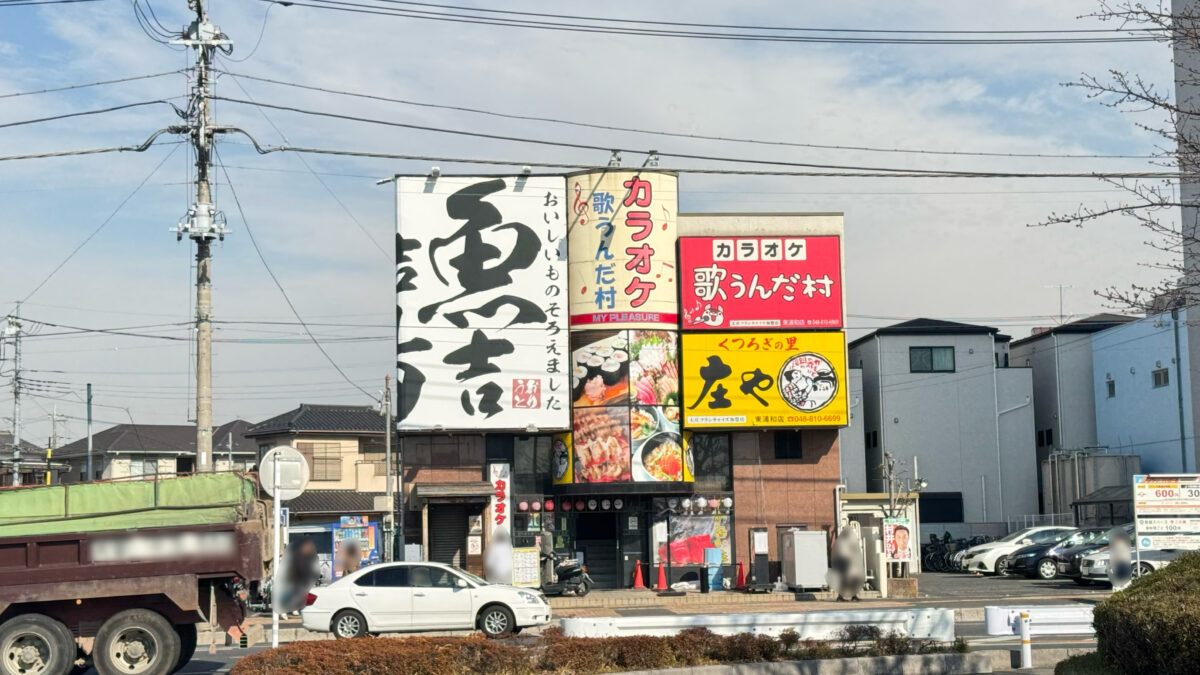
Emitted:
pixel 848 562
pixel 1120 560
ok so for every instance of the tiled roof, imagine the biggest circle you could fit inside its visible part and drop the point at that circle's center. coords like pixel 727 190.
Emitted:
pixel 316 418
pixel 347 502
pixel 928 327
pixel 167 438
pixel 26 447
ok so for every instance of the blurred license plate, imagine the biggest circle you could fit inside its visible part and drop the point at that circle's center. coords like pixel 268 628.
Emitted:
pixel 1064 567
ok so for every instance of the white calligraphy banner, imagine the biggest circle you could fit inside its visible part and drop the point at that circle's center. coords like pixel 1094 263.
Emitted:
pixel 481 303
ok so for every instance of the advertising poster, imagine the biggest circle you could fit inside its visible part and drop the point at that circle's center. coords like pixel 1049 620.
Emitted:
pixel 1166 511
pixel 690 535
pixel 735 380
pixel 761 282
pixel 622 249
pixel 625 395
pixel 498 559
pixel 481 303
pixel 354 545
pixel 897 539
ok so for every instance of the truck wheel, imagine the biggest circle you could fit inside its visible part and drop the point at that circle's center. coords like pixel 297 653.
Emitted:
pixel 136 642
pixel 35 644
pixel 187 644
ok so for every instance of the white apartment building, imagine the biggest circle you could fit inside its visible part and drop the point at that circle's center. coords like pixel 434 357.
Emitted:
pixel 942 393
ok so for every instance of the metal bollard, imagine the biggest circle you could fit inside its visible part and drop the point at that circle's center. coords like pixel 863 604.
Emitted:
pixel 1026 643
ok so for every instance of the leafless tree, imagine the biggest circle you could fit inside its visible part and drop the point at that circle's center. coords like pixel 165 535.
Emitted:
pixel 1156 205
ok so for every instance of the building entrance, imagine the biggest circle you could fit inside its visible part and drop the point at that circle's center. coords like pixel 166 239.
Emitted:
pixel 597 538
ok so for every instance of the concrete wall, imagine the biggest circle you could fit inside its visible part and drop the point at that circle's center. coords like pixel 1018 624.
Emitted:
pixel 852 440
pixel 1143 419
pixel 1018 458
pixel 865 357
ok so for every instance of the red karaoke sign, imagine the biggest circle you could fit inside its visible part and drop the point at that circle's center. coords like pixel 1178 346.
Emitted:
pixel 761 282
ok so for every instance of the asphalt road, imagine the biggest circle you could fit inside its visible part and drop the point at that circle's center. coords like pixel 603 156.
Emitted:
pixel 941 590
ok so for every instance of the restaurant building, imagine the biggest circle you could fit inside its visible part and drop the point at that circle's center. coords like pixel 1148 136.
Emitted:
pixel 638 385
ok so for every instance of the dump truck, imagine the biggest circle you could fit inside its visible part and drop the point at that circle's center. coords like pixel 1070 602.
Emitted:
pixel 126 569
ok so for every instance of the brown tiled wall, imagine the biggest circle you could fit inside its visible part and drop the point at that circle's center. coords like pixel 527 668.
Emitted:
pixel 770 492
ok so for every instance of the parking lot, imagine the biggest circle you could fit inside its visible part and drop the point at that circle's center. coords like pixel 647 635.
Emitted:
pixel 967 587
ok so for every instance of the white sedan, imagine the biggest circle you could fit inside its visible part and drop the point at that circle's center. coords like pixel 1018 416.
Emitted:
pixel 1094 566
pixel 992 557
pixel 421 596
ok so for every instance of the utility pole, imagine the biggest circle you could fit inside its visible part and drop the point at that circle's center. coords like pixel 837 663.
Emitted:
pixel 1060 287
pixel 90 476
pixel 389 541
pixel 13 331
pixel 203 223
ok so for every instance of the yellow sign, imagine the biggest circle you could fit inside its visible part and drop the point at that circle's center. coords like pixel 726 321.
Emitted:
pixel 737 380
pixel 621 248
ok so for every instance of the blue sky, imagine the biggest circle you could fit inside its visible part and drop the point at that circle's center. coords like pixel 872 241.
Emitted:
pixel 941 248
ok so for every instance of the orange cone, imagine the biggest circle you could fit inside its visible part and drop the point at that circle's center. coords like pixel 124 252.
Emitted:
pixel 741 578
pixel 637 576
pixel 662 579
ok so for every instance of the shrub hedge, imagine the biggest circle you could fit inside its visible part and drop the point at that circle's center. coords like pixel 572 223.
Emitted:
pixel 1153 626
pixel 555 654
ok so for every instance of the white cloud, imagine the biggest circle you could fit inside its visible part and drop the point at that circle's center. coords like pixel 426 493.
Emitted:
pixel 912 249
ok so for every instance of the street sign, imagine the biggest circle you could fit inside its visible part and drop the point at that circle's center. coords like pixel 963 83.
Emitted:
pixel 1166 511
pixel 293 473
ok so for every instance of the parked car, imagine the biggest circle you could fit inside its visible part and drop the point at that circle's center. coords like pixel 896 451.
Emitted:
pixel 1041 560
pixel 1094 566
pixel 993 557
pixel 421 596
pixel 1069 560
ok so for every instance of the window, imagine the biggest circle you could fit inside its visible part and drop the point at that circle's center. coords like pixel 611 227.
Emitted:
pixel 873 439
pixel 435 577
pixel 393 577
pixel 711 454
pixel 941 507
pixel 1162 377
pixel 1041 438
pixel 788 445
pixel 1112 388
pixel 1047 536
pixel 931 359
pixel 1049 437
pixel 324 458
pixel 374 451
pixel 143 467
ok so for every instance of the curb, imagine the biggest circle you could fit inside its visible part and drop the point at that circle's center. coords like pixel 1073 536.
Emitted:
pixel 936 664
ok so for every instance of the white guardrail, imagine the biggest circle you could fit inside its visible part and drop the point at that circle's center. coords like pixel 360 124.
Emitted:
pixel 1043 620
pixel 923 624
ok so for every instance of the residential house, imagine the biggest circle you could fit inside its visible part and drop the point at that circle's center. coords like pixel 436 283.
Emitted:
pixel 143 450
pixel 934 396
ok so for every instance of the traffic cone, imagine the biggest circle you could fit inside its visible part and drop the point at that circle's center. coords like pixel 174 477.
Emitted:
pixel 741 578
pixel 637 576
pixel 662 579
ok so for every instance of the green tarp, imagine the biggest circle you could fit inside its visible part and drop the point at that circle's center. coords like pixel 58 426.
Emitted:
pixel 120 505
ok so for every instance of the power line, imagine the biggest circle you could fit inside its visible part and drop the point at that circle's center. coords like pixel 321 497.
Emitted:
pixel 346 209
pixel 760 27
pixel 84 113
pixel 90 84
pixel 97 151
pixel 271 273
pixel 679 155
pixel 383 10
pixel 22 3
pixel 103 223
pixel 674 134
pixel 262 31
